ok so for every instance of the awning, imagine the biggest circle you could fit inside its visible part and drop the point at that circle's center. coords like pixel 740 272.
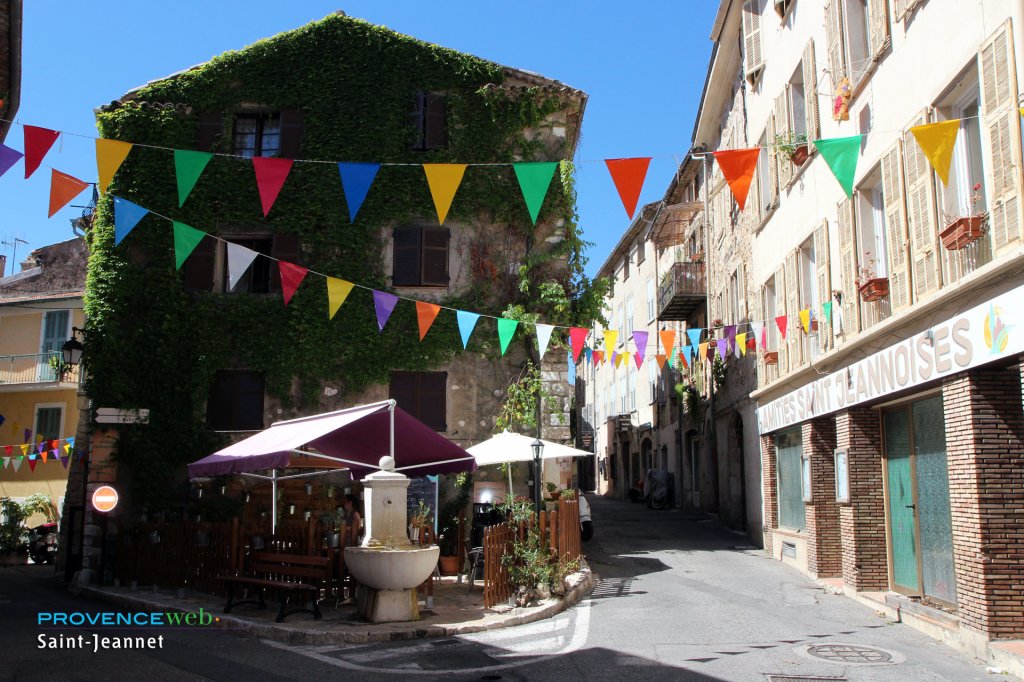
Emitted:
pixel 357 437
pixel 514 447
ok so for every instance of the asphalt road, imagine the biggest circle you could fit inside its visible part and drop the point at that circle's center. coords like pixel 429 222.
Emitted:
pixel 679 599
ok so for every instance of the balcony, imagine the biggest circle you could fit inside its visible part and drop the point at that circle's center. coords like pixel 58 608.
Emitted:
pixel 682 291
pixel 30 372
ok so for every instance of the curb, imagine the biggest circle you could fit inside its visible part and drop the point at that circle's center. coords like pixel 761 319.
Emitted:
pixel 383 632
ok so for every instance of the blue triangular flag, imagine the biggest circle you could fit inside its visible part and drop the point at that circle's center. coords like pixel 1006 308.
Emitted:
pixel 466 323
pixel 590 355
pixel 126 216
pixel 689 354
pixel 356 179
pixel 572 369
pixel 694 335
pixel 2 419
pixel 71 441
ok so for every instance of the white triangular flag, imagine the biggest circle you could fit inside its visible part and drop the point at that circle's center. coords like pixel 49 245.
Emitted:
pixel 757 327
pixel 543 337
pixel 239 260
pixel 7 460
pixel 16 463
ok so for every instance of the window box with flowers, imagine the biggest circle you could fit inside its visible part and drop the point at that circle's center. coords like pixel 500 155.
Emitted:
pixel 961 231
pixel 771 357
pixel 870 286
pixel 793 146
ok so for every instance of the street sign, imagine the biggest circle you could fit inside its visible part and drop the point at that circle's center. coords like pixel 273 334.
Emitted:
pixel 104 498
pixel 112 415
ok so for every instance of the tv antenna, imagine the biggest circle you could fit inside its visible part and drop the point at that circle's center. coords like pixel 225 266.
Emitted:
pixel 14 251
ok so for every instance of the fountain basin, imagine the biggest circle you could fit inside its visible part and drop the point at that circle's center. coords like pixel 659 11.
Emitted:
pixel 385 568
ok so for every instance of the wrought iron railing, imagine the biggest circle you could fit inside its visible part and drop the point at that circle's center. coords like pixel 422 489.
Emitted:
pixel 682 279
pixel 37 368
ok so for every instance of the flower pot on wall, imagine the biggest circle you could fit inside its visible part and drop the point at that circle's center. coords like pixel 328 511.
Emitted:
pixel 771 357
pixel 800 155
pixel 449 565
pixel 874 289
pixel 962 232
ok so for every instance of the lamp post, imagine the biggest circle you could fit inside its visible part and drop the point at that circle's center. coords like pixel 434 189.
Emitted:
pixel 72 348
pixel 538 448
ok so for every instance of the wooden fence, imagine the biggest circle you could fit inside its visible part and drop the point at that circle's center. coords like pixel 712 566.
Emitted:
pixel 561 528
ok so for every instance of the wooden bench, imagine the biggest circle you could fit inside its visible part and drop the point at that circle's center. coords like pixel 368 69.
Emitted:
pixel 289 574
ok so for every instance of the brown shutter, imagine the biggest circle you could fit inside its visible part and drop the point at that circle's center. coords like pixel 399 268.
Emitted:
pixel 878 15
pixel 762 377
pixel 848 267
pixel 741 290
pixel 1001 125
pixel 834 38
pixel 416 117
pixel 794 330
pixel 896 228
pixel 436 121
pixel 284 248
pixel 402 390
pixel 921 221
pixel 433 389
pixel 811 95
pixel 209 131
pixel 823 278
pixel 753 61
pixel 782 131
pixel 291 134
pixel 406 270
pixel 773 161
pixel 199 266
pixel 435 256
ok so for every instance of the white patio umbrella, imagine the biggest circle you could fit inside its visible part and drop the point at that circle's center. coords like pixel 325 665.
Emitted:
pixel 508 447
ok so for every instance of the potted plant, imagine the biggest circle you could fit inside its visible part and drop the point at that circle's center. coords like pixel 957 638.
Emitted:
pixel 771 357
pixel 418 520
pixel 448 519
pixel 13 543
pixel 552 489
pixel 961 231
pixel 793 146
pixel 61 370
pixel 871 286
pixel 697 257
pixel 332 526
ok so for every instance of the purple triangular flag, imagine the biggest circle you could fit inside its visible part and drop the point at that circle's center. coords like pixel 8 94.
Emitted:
pixel 730 335
pixel 723 347
pixel 8 157
pixel 64 460
pixel 384 303
pixel 640 341
pixel 28 435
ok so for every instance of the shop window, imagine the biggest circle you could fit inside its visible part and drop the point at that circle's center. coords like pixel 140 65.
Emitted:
pixel 428 117
pixel 421 256
pixel 236 401
pixel 789 466
pixel 423 395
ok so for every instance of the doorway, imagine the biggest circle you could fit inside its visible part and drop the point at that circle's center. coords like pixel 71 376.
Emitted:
pixel 919 524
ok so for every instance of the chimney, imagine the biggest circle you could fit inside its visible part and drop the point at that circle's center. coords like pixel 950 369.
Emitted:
pixel 3 266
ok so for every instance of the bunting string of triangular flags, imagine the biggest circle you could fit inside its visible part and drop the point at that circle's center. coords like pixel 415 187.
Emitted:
pixel 58 450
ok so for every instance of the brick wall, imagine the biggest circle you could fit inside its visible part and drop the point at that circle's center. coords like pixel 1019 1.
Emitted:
pixel 824 553
pixel 771 489
pixel 985 451
pixel 862 521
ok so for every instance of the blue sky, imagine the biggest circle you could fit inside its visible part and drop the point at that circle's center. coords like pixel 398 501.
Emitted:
pixel 642 65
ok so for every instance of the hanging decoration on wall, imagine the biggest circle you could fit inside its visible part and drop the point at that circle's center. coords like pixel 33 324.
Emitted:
pixel 534 180
pixel 337 291
pixel 384 304
pixel 188 166
pixel 356 179
pixel 110 154
pixel 126 216
pixel 271 173
pixel 426 313
pixel 37 143
pixel 63 188
pixel 291 277
pixel 506 330
pixel 544 337
pixel 444 180
pixel 186 239
pixel 239 260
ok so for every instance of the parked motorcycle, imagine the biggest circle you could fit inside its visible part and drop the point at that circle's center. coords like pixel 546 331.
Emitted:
pixel 658 488
pixel 42 543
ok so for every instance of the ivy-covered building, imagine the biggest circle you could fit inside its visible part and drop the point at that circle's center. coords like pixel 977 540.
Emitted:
pixel 212 362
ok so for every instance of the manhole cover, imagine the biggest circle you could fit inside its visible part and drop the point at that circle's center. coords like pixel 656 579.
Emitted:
pixel 849 653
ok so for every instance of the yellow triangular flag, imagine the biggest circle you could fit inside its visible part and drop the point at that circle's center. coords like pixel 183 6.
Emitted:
pixel 24 449
pixel 1022 111
pixel 110 154
pixel 610 337
pixel 444 180
pixel 741 340
pixel 337 292
pixel 805 320
pixel 67 447
pixel 937 140
pixel 618 360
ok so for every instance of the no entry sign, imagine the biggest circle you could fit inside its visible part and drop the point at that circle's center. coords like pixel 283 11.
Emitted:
pixel 104 498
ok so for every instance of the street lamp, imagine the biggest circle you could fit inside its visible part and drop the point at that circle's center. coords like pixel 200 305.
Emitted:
pixel 72 348
pixel 538 449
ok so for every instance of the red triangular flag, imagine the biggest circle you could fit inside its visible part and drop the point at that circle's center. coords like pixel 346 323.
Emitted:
pixel 598 357
pixel 270 176
pixel 291 277
pixel 738 166
pixel 661 357
pixel 780 322
pixel 628 176
pixel 32 463
pixel 37 142
pixel 751 342
pixel 639 359
pixel 426 313
pixel 578 336
pixel 63 188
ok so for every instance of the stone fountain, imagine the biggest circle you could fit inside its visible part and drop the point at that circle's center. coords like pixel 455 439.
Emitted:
pixel 387 566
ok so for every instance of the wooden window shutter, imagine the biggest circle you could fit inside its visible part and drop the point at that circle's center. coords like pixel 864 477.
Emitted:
pixel 199 266
pixel 406 270
pixel 416 119
pixel 834 38
pixel 811 95
pixel 848 268
pixel 402 389
pixel 753 60
pixel 896 228
pixel 794 330
pixel 921 221
pixel 741 288
pixel 823 278
pixel 905 7
pixel 878 15
pixel 782 129
pixel 780 309
pixel 291 134
pixel 249 392
pixel 210 127
pixel 760 312
pixel 436 121
pixel 773 161
pixel 433 390
pixel 755 192
pixel 285 247
pixel 435 256
pixel 1001 125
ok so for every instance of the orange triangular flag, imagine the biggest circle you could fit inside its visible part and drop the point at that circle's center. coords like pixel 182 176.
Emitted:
pixel 63 188
pixel 444 180
pixel 628 176
pixel 110 154
pixel 668 340
pixel 618 360
pixel 738 166
pixel 937 141
pixel 702 351
pixel 426 313
pixel 661 357
pixel 43 455
pixel 781 322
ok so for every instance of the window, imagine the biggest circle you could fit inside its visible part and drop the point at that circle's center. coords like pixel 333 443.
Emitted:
pixel 48 422
pixel 236 401
pixel 54 334
pixel 858 34
pixel 256 279
pixel 629 318
pixel 788 453
pixel 870 200
pixel 769 309
pixel 257 134
pixel 753 61
pixel 795 117
pixel 423 395
pixel 623 394
pixel 625 267
pixel 429 119
pixel 421 256
pixel 767 190
pixel 651 300
pixel 631 373
pixel 622 328
pixel 207 268
pixel 734 299
pixel 807 284
pixel 652 379
pixel 641 251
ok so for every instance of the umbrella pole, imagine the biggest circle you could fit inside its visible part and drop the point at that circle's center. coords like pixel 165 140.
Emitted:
pixel 273 502
pixel 508 467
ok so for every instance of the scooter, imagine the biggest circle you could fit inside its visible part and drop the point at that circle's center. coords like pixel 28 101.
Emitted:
pixel 658 493
pixel 42 543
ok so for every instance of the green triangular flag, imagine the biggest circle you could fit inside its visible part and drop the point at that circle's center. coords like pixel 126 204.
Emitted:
pixel 185 241
pixel 840 153
pixel 506 330
pixel 827 309
pixel 534 180
pixel 188 166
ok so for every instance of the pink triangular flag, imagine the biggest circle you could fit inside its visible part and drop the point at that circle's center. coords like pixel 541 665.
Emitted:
pixel 37 142
pixel 291 277
pixel 578 337
pixel 271 173
pixel 781 322
pixel 639 359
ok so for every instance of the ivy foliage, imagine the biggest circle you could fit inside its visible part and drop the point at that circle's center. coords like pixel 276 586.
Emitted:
pixel 152 344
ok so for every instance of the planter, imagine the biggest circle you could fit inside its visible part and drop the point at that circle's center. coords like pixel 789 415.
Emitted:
pixel 961 232
pixel 12 559
pixel 874 289
pixel 771 357
pixel 800 155
pixel 449 565
pixel 332 539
